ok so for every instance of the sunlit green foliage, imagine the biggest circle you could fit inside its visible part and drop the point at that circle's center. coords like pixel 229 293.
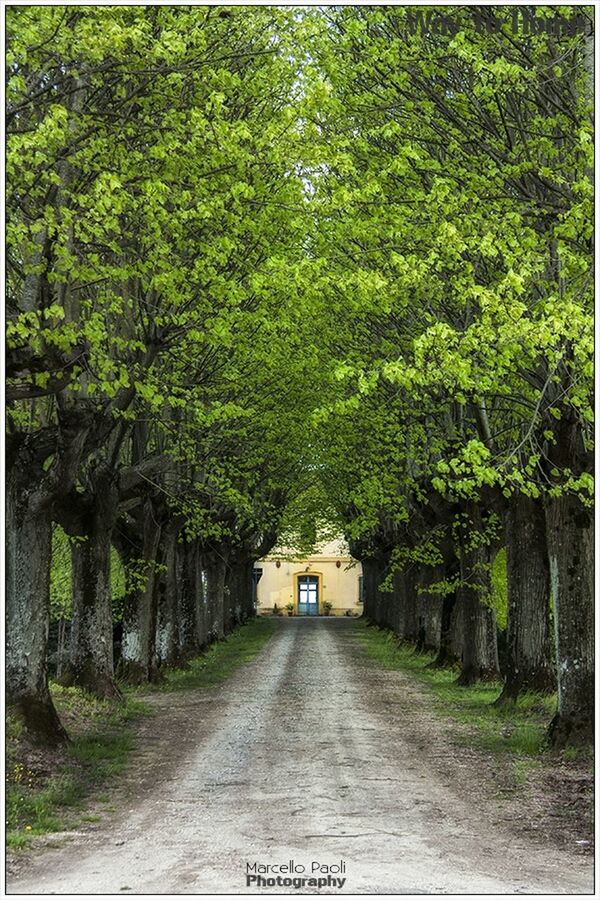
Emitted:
pixel 330 270
pixel 452 181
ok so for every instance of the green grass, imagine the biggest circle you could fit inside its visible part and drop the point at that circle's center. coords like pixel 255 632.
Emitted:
pixel 222 658
pixel 517 729
pixel 45 796
pixel 48 792
pixel 578 754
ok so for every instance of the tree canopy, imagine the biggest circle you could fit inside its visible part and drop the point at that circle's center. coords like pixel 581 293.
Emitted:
pixel 268 267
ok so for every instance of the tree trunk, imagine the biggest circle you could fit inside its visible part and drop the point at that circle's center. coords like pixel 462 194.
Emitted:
pixel 229 603
pixel 374 600
pixel 570 533
pixel 480 648
pixel 400 605
pixel 570 530
pixel 386 598
pixel 214 567
pixel 201 595
pixel 28 555
pixel 91 519
pixel 248 594
pixel 429 611
pixel 167 629
pixel 370 588
pixel 409 615
pixel 31 490
pixel 191 611
pixel 447 655
pixel 480 652
pixel 91 664
pixel 529 665
pixel 457 629
pixel 138 655
pixel 239 581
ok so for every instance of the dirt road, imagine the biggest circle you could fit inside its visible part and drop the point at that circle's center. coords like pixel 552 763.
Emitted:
pixel 310 754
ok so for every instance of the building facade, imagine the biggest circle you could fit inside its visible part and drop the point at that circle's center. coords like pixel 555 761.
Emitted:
pixel 327 583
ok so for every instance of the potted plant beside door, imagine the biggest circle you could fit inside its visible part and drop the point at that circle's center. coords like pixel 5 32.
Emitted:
pixel 327 607
pixel 290 608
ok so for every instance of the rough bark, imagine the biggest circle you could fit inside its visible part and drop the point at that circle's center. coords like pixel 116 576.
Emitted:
pixel 258 550
pixel 429 610
pixel 368 576
pixel 480 649
pixel 28 554
pixel 228 612
pixel 400 604
pixel 138 652
pixel 167 628
pixel 201 601
pixel 239 582
pixel 91 663
pixel 447 654
pixel 31 490
pixel 214 566
pixel 190 601
pixel 90 516
pixel 60 647
pixel 480 652
pixel 373 575
pixel 570 533
pixel 457 630
pixel 529 655
pixel 407 624
pixel 249 594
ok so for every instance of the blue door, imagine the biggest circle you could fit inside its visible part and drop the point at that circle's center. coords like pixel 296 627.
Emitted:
pixel 308 595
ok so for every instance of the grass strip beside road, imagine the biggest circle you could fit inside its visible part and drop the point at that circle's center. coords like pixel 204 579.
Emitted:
pixel 219 661
pixel 51 790
pixel 519 729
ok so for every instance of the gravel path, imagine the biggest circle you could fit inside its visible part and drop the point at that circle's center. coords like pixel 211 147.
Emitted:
pixel 309 753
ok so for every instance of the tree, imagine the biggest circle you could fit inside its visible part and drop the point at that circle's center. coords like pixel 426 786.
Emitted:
pixel 146 229
pixel 272 267
pixel 455 190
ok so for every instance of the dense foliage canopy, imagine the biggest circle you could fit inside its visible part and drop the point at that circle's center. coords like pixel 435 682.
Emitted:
pixel 269 267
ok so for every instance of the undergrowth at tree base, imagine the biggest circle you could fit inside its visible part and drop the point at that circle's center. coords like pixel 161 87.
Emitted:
pixel 46 789
pixel 50 790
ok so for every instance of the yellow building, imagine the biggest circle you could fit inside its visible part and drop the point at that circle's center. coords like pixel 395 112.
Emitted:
pixel 328 582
